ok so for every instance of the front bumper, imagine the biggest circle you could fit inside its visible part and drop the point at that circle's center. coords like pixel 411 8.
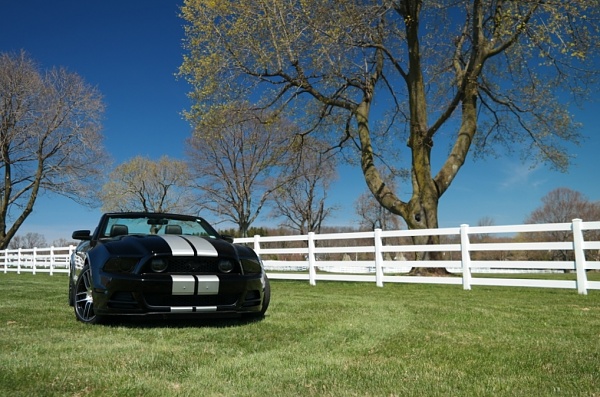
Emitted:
pixel 189 294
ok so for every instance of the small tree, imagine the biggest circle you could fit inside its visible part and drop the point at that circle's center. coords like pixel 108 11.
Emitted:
pixel 63 242
pixel 485 221
pixel 562 205
pixel 373 215
pixel 50 139
pixel 236 158
pixel 145 185
pixel 301 198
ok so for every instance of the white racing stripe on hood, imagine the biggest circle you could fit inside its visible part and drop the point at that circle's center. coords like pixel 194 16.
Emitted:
pixel 203 247
pixel 179 247
pixel 182 246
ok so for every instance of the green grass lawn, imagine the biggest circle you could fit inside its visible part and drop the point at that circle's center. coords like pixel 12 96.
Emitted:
pixel 333 339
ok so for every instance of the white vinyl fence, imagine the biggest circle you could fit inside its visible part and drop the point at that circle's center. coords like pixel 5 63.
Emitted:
pixel 388 261
pixel 341 256
pixel 36 260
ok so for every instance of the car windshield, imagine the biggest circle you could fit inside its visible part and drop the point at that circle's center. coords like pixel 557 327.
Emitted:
pixel 123 224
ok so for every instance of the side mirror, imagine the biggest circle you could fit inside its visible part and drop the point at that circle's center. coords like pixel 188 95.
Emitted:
pixel 227 238
pixel 82 235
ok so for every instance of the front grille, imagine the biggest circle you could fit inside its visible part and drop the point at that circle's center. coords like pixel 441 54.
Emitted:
pixel 192 265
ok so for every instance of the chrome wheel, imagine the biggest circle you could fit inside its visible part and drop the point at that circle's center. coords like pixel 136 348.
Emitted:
pixel 84 301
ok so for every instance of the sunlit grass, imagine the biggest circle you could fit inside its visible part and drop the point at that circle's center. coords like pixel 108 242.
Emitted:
pixel 333 339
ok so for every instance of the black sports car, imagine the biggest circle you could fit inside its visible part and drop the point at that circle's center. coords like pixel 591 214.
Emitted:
pixel 165 264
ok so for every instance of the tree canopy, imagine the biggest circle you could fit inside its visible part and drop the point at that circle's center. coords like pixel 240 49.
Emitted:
pixel 395 76
pixel 50 139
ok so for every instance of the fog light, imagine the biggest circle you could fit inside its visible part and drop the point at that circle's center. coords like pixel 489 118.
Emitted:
pixel 158 265
pixel 225 266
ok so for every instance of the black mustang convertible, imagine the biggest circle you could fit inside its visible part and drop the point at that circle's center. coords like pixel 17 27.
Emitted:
pixel 164 264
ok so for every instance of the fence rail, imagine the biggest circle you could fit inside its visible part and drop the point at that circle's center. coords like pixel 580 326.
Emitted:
pixel 36 260
pixel 314 257
pixel 389 264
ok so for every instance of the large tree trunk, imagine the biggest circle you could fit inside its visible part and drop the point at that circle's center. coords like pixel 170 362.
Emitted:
pixel 421 212
pixel 423 206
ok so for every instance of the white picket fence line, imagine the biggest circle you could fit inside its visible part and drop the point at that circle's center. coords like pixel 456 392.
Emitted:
pixel 36 260
pixel 381 270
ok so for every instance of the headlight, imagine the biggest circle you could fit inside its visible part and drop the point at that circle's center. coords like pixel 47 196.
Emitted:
pixel 225 266
pixel 251 265
pixel 158 265
pixel 120 265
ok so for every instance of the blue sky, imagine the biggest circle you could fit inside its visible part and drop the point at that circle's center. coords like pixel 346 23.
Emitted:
pixel 130 50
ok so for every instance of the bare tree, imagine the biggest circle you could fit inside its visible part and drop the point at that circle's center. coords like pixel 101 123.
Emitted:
pixel 142 184
pixel 29 240
pixel 236 159
pixel 301 201
pixel 63 242
pixel 562 205
pixel 485 221
pixel 50 139
pixel 465 73
pixel 373 215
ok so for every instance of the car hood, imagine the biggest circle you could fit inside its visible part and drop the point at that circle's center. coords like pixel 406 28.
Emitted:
pixel 142 245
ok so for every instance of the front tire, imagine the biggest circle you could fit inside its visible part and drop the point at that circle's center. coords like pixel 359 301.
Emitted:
pixel 266 297
pixel 83 298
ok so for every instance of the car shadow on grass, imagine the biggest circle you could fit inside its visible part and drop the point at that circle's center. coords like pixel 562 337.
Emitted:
pixel 170 322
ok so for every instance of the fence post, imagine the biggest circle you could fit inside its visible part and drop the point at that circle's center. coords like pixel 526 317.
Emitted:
pixel 378 258
pixel 312 265
pixel 465 256
pixel 257 244
pixel 34 260
pixel 5 261
pixel 51 260
pixel 19 261
pixel 580 263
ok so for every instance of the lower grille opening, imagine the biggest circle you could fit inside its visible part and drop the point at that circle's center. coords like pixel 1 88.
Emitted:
pixel 252 298
pixel 190 300
pixel 122 300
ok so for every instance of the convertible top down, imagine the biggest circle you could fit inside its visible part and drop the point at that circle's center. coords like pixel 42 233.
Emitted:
pixel 139 263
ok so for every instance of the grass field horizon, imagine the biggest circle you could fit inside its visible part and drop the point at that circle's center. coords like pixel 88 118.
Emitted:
pixel 332 339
